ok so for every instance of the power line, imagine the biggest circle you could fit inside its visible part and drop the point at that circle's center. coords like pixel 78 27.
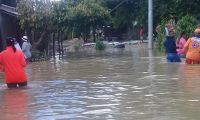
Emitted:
pixel 118 5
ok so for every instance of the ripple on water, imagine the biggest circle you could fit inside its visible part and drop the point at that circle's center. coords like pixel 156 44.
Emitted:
pixel 120 87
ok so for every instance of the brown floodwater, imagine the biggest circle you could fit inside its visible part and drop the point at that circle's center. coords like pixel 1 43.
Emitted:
pixel 117 84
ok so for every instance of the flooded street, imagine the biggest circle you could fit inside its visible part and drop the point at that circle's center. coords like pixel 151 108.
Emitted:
pixel 130 84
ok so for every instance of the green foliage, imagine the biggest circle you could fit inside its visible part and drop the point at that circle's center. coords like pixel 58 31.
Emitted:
pixel 100 45
pixel 40 17
pixel 79 16
pixel 187 24
pixel 161 34
pixel 186 7
pixel 34 14
pixel 37 54
pixel 125 12
pixel 77 47
pixel 137 10
pixel 87 14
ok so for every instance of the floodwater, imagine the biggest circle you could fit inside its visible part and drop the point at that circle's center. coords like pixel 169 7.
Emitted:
pixel 119 84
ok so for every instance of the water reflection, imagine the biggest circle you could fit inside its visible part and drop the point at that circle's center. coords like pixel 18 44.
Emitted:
pixel 190 78
pixel 77 99
pixel 13 105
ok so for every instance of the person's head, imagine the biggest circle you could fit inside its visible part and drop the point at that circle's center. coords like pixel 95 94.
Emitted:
pixel 15 40
pixel 197 31
pixel 25 38
pixel 169 26
pixel 11 42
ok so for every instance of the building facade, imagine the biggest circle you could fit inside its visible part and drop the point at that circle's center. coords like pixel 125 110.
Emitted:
pixel 8 21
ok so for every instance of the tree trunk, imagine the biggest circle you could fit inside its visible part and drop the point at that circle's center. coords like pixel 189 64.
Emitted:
pixel 37 43
pixel 54 52
pixel 61 40
pixel 59 43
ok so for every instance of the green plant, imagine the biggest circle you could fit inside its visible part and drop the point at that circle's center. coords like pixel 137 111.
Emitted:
pixel 160 29
pixel 100 45
pixel 77 47
pixel 187 24
pixel 37 54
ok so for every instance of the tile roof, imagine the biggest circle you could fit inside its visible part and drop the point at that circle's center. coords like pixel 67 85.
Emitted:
pixel 8 9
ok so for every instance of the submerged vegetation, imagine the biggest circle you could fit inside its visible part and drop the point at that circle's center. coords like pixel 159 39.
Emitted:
pixel 100 45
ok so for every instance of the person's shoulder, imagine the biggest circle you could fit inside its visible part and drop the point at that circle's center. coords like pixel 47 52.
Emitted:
pixel 2 52
pixel 189 39
pixel 194 39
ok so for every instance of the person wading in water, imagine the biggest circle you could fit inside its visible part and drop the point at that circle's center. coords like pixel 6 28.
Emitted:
pixel 12 62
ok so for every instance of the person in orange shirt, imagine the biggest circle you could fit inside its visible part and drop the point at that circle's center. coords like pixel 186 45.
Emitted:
pixel 13 63
pixel 192 48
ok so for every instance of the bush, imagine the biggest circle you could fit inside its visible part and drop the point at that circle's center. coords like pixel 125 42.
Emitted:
pixel 77 47
pixel 37 54
pixel 160 29
pixel 187 24
pixel 100 45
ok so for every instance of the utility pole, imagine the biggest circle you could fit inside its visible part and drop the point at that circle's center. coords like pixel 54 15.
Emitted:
pixel 150 24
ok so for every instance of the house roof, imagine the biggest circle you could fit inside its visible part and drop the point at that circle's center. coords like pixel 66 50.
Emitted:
pixel 8 9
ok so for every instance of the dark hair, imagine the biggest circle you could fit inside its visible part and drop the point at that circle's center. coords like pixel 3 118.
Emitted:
pixel 10 42
pixel 182 34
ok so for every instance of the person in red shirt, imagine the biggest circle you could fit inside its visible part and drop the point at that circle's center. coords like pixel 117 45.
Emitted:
pixel 142 34
pixel 13 63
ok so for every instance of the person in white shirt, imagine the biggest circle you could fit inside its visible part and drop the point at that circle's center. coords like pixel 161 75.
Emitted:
pixel 26 47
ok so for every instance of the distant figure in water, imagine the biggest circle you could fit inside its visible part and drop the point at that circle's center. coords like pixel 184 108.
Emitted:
pixel 170 48
pixel 180 45
pixel 141 34
pixel 26 48
pixel 192 48
pixel 12 62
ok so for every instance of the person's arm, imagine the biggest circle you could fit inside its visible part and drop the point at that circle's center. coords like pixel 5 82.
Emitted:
pixel 182 43
pixel 164 44
pixel 166 31
pixel 186 46
pixel 178 41
pixel 23 46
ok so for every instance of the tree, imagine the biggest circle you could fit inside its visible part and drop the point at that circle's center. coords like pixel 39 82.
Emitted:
pixel 34 16
pixel 80 16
